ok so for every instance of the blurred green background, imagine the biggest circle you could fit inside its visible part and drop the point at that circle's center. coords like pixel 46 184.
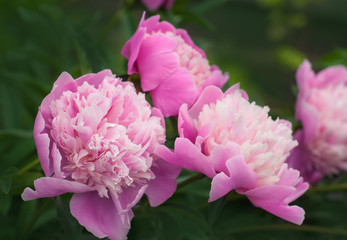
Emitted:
pixel 259 42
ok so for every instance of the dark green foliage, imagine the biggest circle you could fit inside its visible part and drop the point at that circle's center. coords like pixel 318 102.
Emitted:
pixel 259 42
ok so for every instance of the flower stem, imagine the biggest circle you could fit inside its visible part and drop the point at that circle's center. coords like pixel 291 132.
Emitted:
pixel 29 166
pixel 192 179
pixel 280 227
pixel 329 188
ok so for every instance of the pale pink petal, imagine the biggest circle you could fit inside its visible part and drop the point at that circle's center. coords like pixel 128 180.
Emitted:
pixel 184 34
pixel 187 156
pixel 51 187
pixel 331 76
pixel 309 118
pixel 170 95
pixel 99 216
pixel 164 184
pixel 220 154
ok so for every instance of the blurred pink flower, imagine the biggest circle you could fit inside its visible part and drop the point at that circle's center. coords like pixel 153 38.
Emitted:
pixel 241 148
pixel 322 109
pixel 170 66
pixel 153 5
pixel 95 137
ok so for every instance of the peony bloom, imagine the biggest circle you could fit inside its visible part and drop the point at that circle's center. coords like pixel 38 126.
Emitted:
pixel 322 109
pixel 153 5
pixel 171 67
pixel 241 148
pixel 95 137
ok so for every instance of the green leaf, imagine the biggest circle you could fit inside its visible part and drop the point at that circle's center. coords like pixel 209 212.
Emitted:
pixel 6 179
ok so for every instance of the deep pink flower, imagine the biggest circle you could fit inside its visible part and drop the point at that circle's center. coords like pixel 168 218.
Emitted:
pixel 153 5
pixel 322 109
pixel 95 137
pixel 241 148
pixel 170 66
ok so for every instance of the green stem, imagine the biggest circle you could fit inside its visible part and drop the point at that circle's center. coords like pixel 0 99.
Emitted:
pixel 280 227
pixel 329 188
pixel 29 166
pixel 192 179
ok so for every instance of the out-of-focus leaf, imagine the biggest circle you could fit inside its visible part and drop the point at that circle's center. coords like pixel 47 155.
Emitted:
pixel 336 57
pixel 6 179
pixel 72 229
pixel 5 203
pixel 205 6
pixel 24 180
pixel 289 57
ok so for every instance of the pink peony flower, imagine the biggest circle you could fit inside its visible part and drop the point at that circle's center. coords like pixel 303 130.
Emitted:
pixel 95 137
pixel 171 67
pixel 241 148
pixel 153 5
pixel 321 107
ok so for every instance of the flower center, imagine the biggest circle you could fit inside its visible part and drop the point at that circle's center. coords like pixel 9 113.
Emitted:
pixel 264 143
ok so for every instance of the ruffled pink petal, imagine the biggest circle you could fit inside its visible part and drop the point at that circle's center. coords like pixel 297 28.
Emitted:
pixel 164 184
pixel 185 124
pixel 235 87
pixel 238 176
pixel 64 83
pixel 277 203
pixel 94 78
pixel 156 60
pixel 42 142
pixel 157 113
pixel 170 95
pixel 304 74
pixel 51 187
pixel 220 154
pixel 99 216
pixel 209 95
pixel 129 198
pixel 187 156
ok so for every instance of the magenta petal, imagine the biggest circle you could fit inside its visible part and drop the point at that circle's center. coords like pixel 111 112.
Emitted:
pixel 239 176
pixel 170 95
pixel 164 184
pixel 209 95
pixel 51 187
pixel 187 156
pixel 185 124
pixel 99 216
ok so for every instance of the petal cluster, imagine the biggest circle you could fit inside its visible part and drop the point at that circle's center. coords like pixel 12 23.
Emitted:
pixel 95 137
pixel 166 60
pixel 321 107
pixel 241 148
